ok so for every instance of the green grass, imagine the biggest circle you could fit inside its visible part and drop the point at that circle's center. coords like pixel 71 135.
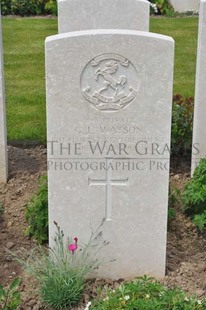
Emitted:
pixel 184 31
pixel 23 40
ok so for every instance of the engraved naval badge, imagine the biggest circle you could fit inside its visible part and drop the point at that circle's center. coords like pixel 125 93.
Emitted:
pixel 109 82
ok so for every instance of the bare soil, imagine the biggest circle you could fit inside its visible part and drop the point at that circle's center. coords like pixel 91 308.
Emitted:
pixel 186 248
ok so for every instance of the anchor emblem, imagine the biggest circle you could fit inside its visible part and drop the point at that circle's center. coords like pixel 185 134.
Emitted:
pixel 109 78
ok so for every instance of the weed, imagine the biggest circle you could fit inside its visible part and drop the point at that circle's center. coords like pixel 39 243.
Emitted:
pixel 10 298
pixel 182 122
pixel 37 213
pixel 1 209
pixel 146 293
pixel 200 220
pixel 194 196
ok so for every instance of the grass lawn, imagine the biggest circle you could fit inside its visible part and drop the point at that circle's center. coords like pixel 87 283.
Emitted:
pixel 184 31
pixel 23 40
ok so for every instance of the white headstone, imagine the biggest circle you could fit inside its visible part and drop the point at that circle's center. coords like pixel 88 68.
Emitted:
pixel 109 98
pixel 103 14
pixel 3 139
pixel 185 5
pixel 199 124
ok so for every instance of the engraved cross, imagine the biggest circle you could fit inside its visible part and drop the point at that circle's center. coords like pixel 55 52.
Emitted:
pixel 108 183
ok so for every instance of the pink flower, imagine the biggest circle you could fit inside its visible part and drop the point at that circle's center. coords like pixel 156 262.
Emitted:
pixel 73 246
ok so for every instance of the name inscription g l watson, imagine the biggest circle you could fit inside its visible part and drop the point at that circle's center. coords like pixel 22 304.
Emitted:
pixel 102 129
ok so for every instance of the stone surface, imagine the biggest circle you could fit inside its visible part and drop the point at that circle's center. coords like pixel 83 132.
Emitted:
pixel 3 139
pixel 109 96
pixel 185 5
pixel 199 126
pixel 97 14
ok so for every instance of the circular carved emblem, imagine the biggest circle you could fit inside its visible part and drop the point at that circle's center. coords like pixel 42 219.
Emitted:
pixel 109 82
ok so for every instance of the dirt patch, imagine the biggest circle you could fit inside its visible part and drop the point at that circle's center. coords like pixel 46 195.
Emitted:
pixel 186 249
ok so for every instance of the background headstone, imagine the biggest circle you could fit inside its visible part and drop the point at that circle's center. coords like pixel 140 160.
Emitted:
pixel 185 5
pixel 109 98
pixel 199 121
pixel 103 14
pixel 3 139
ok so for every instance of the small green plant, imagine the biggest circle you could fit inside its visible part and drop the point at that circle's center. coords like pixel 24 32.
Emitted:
pixel 1 209
pixel 182 120
pixel 37 213
pixel 174 198
pixel 61 272
pixel 10 298
pixel 146 294
pixel 171 213
pixel 194 196
pixel 51 7
pixel 200 221
pixel 162 7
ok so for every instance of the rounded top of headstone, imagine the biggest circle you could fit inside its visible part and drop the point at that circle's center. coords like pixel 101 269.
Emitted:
pixel 103 14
